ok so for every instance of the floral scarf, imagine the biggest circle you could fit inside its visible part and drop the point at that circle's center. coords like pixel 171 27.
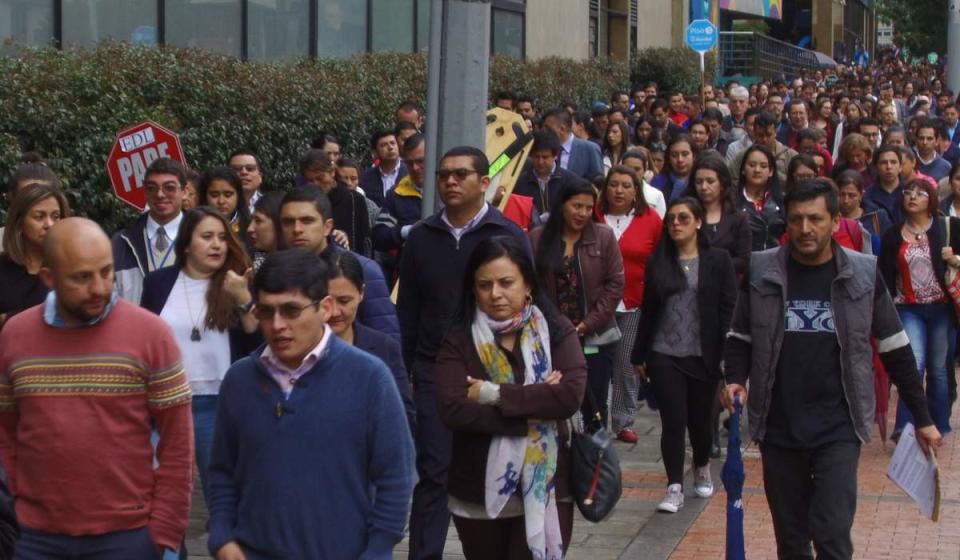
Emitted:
pixel 530 461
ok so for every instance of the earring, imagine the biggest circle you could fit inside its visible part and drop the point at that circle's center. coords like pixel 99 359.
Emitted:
pixel 529 298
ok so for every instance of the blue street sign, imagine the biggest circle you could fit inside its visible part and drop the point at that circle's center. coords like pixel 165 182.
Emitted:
pixel 701 35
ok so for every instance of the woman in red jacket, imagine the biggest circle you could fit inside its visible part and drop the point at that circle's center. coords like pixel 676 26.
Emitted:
pixel 637 228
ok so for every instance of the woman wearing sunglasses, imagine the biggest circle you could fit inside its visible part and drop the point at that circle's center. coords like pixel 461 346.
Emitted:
pixel 688 303
pixel 914 257
pixel 346 290
pixel 205 300
pixel 580 268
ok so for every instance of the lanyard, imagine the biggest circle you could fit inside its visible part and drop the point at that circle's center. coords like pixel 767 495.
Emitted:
pixel 154 265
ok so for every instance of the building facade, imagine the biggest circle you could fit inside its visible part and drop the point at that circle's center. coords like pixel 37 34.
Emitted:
pixel 285 29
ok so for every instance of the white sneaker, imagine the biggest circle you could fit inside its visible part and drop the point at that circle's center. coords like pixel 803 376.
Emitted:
pixel 703 483
pixel 673 501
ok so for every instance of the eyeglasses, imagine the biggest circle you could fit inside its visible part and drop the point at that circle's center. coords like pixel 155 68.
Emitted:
pixel 286 310
pixel 249 167
pixel 153 188
pixel 682 219
pixel 461 173
pixel 915 193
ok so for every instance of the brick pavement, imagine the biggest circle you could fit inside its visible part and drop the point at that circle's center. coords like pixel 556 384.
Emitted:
pixel 888 525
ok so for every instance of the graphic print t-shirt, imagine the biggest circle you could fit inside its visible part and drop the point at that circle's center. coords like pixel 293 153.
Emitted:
pixel 809 408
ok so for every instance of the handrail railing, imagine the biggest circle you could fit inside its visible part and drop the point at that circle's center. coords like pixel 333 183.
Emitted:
pixel 746 53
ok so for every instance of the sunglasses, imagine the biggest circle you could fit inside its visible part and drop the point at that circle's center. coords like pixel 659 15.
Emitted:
pixel 286 310
pixel 682 219
pixel 460 173
pixel 250 167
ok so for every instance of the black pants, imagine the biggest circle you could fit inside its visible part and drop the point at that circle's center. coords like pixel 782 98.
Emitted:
pixel 505 539
pixel 813 496
pixel 685 406
pixel 599 374
pixel 429 516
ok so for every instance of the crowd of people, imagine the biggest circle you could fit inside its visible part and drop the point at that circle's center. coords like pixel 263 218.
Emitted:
pixel 663 250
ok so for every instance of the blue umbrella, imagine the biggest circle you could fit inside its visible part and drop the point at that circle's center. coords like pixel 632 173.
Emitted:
pixel 733 476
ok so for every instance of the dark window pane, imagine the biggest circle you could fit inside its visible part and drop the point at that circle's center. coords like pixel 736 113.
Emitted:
pixel 26 21
pixel 88 21
pixel 278 29
pixel 508 33
pixel 201 23
pixel 392 26
pixel 342 27
pixel 423 25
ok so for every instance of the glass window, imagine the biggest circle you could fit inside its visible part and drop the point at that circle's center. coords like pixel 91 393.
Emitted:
pixel 423 25
pixel 342 27
pixel 508 33
pixel 88 21
pixel 26 21
pixel 278 29
pixel 211 25
pixel 392 26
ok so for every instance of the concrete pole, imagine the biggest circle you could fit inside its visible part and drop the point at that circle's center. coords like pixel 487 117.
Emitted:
pixel 457 83
pixel 953 45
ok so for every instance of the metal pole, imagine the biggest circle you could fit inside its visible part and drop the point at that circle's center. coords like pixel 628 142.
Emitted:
pixel 429 201
pixel 953 45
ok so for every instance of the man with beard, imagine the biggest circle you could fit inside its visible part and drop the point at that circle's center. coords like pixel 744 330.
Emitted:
pixel 84 378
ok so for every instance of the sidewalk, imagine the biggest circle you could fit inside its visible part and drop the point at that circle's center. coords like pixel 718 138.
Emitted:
pixel 888 525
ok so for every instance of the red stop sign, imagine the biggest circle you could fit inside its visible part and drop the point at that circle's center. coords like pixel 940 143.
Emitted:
pixel 133 151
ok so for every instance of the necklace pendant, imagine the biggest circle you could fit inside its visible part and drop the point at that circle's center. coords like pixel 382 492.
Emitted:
pixel 195 334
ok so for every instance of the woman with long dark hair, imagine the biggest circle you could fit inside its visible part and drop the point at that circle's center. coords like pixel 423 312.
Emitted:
pixel 508 374
pixel 264 232
pixel 725 227
pixel 207 303
pixel 221 188
pixel 34 209
pixel 580 268
pixel 637 228
pixel 616 142
pixel 760 198
pixel 914 257
pixel 687 307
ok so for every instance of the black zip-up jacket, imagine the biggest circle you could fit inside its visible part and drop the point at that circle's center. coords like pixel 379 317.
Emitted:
pixel 431 280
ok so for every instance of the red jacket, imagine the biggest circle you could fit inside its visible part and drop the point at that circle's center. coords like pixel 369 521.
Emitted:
pixel 636 245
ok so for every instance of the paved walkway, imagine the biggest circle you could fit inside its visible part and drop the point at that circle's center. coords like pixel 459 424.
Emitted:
pixel 888 525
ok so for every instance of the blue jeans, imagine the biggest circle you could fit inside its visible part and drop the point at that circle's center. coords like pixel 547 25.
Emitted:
pixel 204 416
pixel 931 332
pixel 118 545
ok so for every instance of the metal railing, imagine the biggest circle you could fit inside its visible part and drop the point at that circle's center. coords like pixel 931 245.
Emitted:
pixel 745 53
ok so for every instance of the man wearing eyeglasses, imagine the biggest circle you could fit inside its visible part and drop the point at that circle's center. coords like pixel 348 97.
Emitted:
pixel 247 166
pixel 312 457
pixel 431 277
pixel 147 243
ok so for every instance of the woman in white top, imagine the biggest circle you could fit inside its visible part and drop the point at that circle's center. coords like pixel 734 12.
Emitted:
pixel 206 301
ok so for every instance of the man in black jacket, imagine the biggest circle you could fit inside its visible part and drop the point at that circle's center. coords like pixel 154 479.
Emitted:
pixel 542 179
pixel 431 280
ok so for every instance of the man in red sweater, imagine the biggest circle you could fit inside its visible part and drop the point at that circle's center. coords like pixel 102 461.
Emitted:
pixel 82 377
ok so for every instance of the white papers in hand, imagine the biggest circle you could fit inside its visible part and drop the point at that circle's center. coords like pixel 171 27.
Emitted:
pixel 916 473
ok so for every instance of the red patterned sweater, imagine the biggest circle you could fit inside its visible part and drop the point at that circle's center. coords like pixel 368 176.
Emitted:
pixel 76 406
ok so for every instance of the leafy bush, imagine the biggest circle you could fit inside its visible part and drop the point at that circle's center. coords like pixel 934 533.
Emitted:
pixel 69 105
pixel 671 69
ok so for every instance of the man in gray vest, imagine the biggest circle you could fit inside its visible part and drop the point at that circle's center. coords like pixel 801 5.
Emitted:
pixel 801 335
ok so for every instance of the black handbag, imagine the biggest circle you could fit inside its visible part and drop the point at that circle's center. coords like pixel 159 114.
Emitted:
pixel 595 469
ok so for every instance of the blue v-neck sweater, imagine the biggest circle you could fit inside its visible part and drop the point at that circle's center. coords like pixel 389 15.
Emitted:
pixel 324 474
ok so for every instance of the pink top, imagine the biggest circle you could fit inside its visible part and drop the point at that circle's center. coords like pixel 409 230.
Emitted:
pixel 286 377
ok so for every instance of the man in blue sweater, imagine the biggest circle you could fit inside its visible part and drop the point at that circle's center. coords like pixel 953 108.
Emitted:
pixel 311 455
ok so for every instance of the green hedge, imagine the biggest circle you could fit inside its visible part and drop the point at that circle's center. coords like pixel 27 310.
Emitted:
pixel 672 69
pixel 68 105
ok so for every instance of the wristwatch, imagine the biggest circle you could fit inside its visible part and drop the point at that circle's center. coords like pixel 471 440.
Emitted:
pixel 243 309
